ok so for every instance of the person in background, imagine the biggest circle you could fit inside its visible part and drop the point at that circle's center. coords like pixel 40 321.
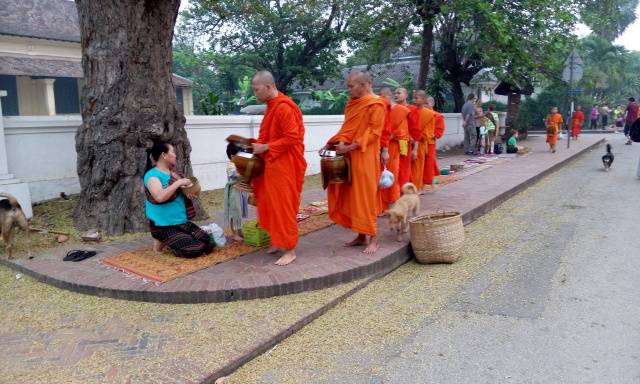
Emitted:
pixel 492 123
pixel 594 116
pixel 618 118
pixel 468 123
pixel 554 124
pixel 630 116
pixel 512 142
pixel 577 119
pixel 480 121
pixel 604 113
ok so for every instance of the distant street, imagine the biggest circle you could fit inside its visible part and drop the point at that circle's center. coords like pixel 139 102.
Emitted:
pixel 548 292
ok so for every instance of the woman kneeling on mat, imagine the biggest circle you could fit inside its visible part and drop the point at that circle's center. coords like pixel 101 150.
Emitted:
pixel 166 206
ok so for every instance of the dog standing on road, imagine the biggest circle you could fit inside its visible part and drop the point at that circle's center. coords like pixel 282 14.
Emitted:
pixel 607 159
pixel 403 209
pixel 11 215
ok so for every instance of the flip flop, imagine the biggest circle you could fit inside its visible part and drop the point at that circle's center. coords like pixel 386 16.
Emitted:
pixel 85 255
pixel 73 254
pixel 78 255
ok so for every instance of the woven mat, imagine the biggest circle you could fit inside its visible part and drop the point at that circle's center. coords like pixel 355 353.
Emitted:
pixel 160 268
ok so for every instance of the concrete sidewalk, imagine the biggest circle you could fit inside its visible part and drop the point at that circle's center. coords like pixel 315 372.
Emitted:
pixel 54 336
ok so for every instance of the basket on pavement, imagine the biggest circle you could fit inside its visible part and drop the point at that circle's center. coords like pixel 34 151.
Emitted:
pixel 254 235
pixel 437 238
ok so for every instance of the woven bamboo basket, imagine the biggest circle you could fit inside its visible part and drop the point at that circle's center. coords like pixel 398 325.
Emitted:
pixel 437 238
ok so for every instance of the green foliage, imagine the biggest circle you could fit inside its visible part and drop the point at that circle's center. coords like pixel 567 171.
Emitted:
pixel 611 73
pixel 521 41
pixel 243 93
pixel 211 105
pixel 439 88
pixel 407 83
pixel 608 18
pixel 297 40
pixel 330 101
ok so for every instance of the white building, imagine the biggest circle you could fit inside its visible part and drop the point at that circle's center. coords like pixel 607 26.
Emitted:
pixel 40 59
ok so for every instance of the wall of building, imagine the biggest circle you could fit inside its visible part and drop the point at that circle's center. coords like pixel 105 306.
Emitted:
pixel 32 96
pixel 41 149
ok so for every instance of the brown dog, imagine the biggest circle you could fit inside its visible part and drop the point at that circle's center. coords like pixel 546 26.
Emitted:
pixel 11 216
pixel 403 209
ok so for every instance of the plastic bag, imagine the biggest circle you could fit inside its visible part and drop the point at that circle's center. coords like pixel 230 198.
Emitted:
pixel 215 233
pixel 386 179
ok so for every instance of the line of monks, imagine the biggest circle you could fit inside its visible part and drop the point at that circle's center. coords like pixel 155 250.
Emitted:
pixel 378 131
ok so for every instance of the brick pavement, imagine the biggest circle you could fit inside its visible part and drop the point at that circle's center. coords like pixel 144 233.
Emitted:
pixel 322 260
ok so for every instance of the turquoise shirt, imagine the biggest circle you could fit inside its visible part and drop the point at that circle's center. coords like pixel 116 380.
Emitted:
pixel 512 141
pixel 172 213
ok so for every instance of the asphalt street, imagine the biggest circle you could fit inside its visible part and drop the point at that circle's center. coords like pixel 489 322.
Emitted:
pixel 556 298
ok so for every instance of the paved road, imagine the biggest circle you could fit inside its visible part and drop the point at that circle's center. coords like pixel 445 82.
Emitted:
pixel 548 292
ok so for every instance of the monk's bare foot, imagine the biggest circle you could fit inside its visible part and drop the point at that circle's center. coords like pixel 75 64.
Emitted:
pixel 372 247
pixel 287 258
pixel 359 240
pixel 272 250
pixel 158 247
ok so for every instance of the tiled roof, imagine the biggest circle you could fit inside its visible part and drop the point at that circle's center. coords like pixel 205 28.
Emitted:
pixel 44 19
pixel 48 66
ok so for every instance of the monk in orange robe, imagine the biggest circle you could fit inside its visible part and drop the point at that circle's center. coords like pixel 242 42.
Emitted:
pixel 401 118
pixel 390 153
pixel 431 167
pixel 577 119
pixel 420 137
pixel 281 145
pixel 355 205
pixel 554 124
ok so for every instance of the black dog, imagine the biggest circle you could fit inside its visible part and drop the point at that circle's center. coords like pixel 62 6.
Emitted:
pixel 607 158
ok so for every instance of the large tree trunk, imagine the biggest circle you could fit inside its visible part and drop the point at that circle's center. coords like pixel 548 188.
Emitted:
pixel 425 53
pixel 128 100
pixel 458 95
pixel 513 109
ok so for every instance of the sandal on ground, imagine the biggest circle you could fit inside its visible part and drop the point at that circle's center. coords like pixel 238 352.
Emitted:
pixel 78 255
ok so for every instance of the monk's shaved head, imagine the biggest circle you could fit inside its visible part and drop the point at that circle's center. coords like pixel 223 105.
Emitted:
pixel 385 91
pixel 360 76
pixel 264 77
pixel 431 102
pixel 420 98
pixel 401 95
pixel 359 84
pixel 420 93
pixel 264 86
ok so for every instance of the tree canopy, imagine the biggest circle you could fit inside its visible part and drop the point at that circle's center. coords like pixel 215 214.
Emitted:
pixel 297 40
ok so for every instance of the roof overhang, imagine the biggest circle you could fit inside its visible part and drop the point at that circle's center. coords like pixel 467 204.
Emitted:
pixel 54 67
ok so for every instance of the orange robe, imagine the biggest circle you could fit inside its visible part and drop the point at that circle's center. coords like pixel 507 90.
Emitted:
pixel 278 189
pixel 399 131
pixel 431 168
pixel 400 117
pixel 355 205
pixel 554 123
pixel 577 119
pixel 422 136
pixel 389 195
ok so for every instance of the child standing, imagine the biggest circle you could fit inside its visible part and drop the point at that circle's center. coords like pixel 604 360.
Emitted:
pixel 481 131
pixel 491 123
pixel 235 203
pixel 554 123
